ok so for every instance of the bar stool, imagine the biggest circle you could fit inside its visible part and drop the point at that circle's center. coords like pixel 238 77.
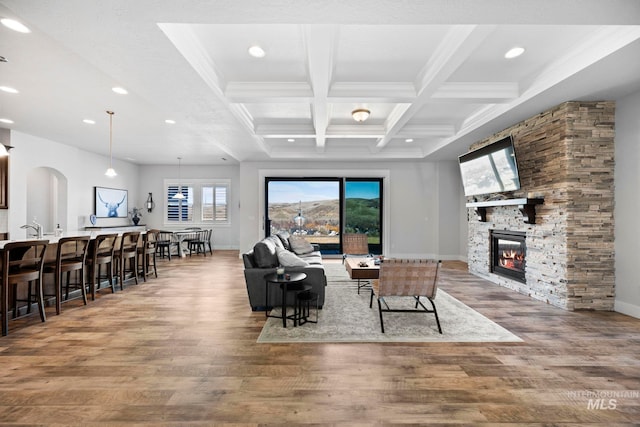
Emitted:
pixel 71 255
pixel 147 254
pixel 128 251
pixel 101 252
pixel 22 262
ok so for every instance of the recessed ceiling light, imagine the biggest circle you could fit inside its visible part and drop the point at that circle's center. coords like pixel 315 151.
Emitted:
pixel 119 90
pixel 15 25
pixel 89 121
pixel 6 121
pixel 8 89
pixel 291 140
pixel 514 52
pixel 408 140
pixel 171 122
pixel 257 52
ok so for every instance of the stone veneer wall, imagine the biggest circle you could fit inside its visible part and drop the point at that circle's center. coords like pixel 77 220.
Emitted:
pixel 565 154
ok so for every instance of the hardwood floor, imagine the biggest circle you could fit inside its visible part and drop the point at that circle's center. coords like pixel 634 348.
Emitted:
pixel 181 350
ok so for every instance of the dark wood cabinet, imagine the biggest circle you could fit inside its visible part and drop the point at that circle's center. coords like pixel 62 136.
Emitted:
pixel 4 182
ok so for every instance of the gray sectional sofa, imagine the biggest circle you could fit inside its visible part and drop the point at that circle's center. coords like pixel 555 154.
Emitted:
pixel 295 255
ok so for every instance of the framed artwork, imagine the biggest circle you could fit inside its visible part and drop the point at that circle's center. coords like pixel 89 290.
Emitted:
pixel 111 203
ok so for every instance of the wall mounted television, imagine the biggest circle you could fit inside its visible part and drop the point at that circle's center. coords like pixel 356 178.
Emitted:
pixel 490 169
pixel 111 203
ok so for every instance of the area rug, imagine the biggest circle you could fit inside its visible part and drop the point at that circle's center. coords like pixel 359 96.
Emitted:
pixel 346 317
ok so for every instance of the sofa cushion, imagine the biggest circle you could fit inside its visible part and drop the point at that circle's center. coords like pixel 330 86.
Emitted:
pixel 300 246
pixel 264 254
pixel 289 259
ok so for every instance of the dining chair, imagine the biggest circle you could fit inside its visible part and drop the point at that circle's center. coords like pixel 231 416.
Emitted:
pixel 127 251
pixel 101 253
pixel 22 262
pixel 164 243
pixel 414 278
pixel 71 255
pixel 198 244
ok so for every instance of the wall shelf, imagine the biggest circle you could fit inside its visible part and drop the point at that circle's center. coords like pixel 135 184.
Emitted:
pixel 526 206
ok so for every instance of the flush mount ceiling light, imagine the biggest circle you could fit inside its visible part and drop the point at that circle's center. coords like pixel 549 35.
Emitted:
pixel 514 52
pixel 360 114
pixel 119 90
pixel 110 171
pixel 15 25
pixel 256 51
pixel 179 194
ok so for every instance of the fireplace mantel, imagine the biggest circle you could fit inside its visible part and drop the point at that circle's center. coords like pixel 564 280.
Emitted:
pixel 526 206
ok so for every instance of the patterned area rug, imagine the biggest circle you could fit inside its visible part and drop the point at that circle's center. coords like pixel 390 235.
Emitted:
pixel 346 317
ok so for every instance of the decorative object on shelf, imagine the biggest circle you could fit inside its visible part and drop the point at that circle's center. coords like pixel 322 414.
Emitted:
pixel 360 114
pixel 92 219
pixel 136 214
pixel 179 194
pixel 150 203
pixel 110 172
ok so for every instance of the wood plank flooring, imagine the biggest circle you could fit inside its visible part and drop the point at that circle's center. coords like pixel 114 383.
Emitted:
pixel 181 350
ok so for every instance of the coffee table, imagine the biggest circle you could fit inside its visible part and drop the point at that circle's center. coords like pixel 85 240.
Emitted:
pixel 358 272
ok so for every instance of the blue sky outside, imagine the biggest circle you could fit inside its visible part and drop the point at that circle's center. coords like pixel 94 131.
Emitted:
pixel 362 189
pixel 306 191
pixel 311 191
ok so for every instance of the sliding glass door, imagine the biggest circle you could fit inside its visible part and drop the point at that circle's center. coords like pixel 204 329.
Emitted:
pixel 322 209
pixel 363 210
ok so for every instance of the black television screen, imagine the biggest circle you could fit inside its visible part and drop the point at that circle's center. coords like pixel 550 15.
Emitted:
pixel 490 169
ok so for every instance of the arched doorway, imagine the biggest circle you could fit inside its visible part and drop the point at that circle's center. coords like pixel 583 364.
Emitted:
pixel 47 198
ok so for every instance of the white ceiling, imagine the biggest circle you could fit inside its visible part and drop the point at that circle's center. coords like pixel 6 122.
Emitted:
pixel 432 71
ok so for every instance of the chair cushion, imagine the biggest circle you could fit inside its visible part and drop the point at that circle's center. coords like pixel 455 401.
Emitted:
pixel 300 246
pixel 289 259
pixel 264 254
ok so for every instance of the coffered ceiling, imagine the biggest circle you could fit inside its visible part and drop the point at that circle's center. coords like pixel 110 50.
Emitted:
pixel 432 74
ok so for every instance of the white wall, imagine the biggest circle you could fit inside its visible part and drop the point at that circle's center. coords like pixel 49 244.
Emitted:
pixel 152 181
pixel 83 171
pixel 627 197
pixel 421 200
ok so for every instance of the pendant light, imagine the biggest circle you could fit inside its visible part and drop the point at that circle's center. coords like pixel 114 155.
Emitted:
pixel 179 194
pixel 110 172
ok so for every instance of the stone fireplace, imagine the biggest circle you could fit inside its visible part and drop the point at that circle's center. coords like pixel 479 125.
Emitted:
pixel 566 160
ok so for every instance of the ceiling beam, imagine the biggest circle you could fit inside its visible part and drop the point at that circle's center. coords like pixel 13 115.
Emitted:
pixel 452 51
pixel 320 41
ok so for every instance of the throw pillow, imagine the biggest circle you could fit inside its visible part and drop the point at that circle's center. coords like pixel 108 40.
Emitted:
pixel 264 254
pixel 284 238
pixel 289 259
pixel 299 245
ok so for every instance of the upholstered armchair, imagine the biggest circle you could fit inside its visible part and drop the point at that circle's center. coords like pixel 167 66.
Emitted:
pixel 415 278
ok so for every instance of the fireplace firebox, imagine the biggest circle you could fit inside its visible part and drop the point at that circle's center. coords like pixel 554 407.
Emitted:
pixel 508 254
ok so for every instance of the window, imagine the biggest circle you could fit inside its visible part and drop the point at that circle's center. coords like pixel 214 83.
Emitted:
pixel 204 202
pixel 214 203
pixel 323 209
